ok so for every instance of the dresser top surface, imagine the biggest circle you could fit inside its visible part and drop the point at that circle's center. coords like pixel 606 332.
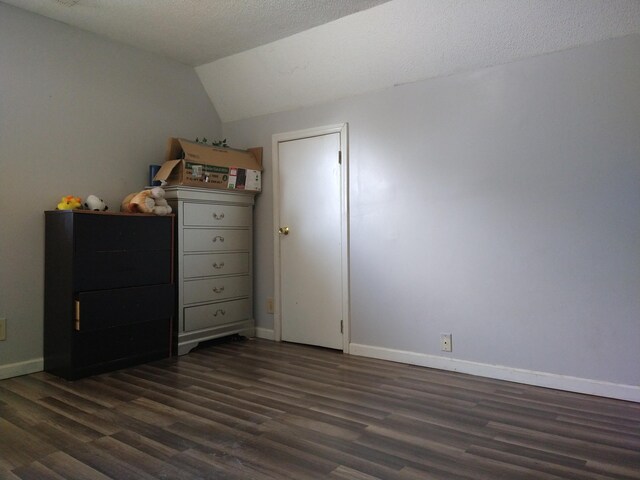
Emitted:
pixel 177 192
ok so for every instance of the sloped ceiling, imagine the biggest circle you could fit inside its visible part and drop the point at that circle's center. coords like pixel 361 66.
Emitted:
pixel 256 57
pixel 405 41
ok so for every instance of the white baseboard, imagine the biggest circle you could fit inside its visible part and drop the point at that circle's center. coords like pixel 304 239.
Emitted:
pixel 266 333
pixel 21 368
pixel 529 377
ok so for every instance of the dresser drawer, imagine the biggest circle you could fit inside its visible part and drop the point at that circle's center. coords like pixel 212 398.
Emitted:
pixel 215 240
pixel 200 214
pixel 206 265
pixel 207 316
pixel 213 289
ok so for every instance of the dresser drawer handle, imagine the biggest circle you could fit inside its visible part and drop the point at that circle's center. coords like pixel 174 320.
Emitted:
pixel 218 217
pixel 218 289
pixel 219 311
pixel 218 237
pixel 218 266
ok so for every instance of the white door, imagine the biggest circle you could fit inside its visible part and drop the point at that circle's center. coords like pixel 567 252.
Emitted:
pixel 310 240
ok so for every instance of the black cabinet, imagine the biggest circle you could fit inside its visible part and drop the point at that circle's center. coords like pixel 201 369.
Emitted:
pixel 109 291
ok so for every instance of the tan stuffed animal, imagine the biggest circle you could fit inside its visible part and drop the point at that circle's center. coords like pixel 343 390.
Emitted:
pixel 146 201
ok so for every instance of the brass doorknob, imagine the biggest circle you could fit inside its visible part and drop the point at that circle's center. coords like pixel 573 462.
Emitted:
pixel 283 230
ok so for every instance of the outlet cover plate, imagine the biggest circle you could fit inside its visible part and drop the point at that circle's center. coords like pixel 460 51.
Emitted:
pixel 445 342
pixel 269 305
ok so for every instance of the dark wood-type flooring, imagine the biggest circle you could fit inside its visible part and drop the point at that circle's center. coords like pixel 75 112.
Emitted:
pixel 254 409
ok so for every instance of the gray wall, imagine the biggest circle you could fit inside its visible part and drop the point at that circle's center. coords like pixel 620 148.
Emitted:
pixel 78 115
pixel 500 205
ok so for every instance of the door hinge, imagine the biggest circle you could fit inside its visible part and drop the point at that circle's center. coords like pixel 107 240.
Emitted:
pixel 340 157
pixel 77 315
pixel 341 326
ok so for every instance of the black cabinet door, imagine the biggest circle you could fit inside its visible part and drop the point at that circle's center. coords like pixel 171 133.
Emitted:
pixel 99 351
pixel 121 327
pixel 102 309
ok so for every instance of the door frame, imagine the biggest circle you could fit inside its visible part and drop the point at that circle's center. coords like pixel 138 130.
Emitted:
pixel 277 138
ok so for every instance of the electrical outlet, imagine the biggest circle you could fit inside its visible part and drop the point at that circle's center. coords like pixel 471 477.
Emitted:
pixel 445 342
pixel 3 328
pixel 269 305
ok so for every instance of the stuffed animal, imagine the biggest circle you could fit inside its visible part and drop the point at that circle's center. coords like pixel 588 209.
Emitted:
pixel 96 204
pixel 70 203
pixel 146 201
pixel 127 205
pixel 161 207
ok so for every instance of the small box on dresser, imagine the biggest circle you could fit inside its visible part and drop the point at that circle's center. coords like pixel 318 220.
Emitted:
pixel 214 258
pixel 109 291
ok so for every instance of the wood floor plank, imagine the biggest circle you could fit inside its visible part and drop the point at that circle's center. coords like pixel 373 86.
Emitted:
pixel 359 458
pixel 218 466
pixel 146 444
pixel 346 473
pixel 564 442
pixel 7 474
pixel 549 423
pixel 420 457
pixel 70 468
pixel 256 409
pixel 90 422
pixel 537 463
pixel 18 447
pixel 38 471
pixel 259 453
pixel 151 432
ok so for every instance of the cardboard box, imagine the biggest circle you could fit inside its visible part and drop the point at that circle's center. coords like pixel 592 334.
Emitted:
pixel 199 165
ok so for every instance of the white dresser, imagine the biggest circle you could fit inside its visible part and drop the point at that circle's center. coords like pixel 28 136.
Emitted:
pixel 214 263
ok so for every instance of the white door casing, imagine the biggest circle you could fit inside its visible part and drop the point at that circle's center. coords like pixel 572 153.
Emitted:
pixel 310 169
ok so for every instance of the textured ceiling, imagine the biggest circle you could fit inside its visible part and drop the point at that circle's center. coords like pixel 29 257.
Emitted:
pixel 405 41
pixel 195 31
pixel 257 57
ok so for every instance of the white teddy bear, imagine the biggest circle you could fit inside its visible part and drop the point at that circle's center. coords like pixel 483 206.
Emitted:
pixel 161 206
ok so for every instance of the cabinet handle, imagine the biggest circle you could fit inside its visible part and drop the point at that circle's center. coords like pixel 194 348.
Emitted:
pixel 218 266
pixel 218 237
pixel 219 311
pixel 76 317
pixel 218 217
pixel 218 289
